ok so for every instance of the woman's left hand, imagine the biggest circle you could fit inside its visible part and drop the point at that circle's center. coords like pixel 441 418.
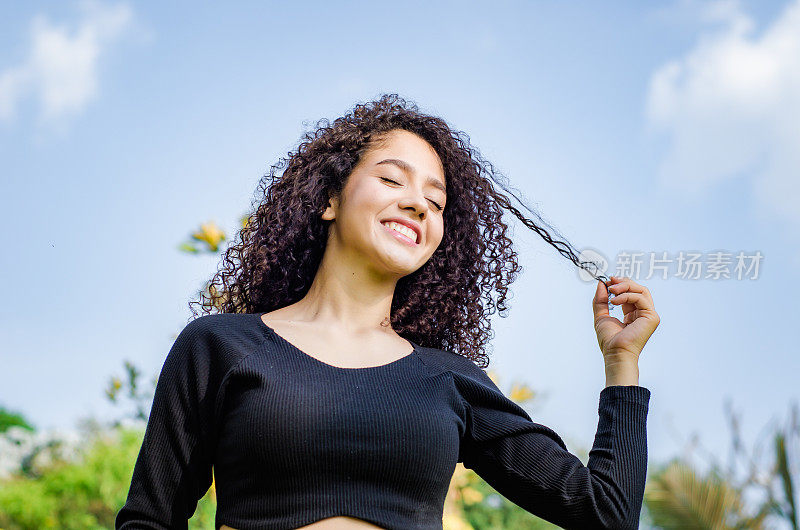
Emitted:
pixel 626 338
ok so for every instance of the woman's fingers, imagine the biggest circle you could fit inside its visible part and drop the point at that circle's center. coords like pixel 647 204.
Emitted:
pixel 626 284
pixel 623 285
pixel 623 291
pixel 635 299
pixel 638 299
pixel 600 301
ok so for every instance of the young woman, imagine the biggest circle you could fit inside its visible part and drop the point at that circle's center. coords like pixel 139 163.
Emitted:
pixel 337 377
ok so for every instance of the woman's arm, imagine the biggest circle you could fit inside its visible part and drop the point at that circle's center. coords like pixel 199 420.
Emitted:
pixel 621 371
pixel 529 464
pixel 174 465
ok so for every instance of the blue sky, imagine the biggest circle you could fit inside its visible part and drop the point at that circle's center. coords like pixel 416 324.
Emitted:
pixel 632 127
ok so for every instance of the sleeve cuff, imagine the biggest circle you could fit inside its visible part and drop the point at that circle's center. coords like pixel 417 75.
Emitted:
pixel 632 393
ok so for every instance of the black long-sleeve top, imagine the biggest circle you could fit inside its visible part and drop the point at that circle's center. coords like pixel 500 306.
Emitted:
pixel 293 440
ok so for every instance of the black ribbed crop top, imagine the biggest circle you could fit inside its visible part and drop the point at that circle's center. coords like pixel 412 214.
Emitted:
pixel 293 440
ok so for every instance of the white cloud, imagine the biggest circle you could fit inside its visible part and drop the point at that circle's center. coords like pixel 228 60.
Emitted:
pixel 731 108
pixel 61 69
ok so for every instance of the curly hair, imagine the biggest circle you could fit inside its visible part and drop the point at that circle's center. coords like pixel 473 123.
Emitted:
pixel 444 304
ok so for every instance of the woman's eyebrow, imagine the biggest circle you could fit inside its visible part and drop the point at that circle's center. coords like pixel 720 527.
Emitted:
pixel 408 168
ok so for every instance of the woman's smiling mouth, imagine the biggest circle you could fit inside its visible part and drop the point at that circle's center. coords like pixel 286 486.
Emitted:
pixel 395 232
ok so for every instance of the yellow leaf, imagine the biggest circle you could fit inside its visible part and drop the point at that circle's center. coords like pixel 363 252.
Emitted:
pixel 213 486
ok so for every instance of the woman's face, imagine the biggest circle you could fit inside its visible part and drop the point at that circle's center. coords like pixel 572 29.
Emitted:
pixel 403 180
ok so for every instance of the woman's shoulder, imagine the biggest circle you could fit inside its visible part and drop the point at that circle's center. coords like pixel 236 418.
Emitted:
pixel 230 334
pixel 455 363
pixel 225 325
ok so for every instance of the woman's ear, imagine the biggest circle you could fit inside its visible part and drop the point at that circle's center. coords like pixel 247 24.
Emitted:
pixel 330 212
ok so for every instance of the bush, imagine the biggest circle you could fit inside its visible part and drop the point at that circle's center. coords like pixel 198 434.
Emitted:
pixel 85 493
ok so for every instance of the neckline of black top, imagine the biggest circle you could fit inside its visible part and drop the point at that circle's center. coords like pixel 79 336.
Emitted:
pixel 295 349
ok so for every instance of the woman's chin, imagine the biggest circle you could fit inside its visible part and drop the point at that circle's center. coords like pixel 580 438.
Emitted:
pixel 398 264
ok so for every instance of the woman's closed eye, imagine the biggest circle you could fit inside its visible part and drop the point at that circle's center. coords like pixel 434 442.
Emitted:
pixel 438 206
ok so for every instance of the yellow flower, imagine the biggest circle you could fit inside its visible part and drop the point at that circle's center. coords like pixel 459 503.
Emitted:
pixel 471 496
pixel 453 522
pixel 521 392
pixel 211 234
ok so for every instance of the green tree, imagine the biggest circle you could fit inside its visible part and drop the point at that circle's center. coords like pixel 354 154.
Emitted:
pixel 677 496
pixel 13 419
pixel 82 494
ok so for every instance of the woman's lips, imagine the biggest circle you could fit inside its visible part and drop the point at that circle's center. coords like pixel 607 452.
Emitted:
pixel 400 237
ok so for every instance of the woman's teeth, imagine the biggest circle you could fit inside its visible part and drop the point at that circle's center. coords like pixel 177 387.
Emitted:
pixel 406 231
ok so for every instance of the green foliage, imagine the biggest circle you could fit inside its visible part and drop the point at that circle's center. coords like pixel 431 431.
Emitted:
pixel 203 518
pixel 677 496
pixel 139 399
pixel 483 508
pixel 11 419
pixel 69 495
pixel 789 508
pixel 86 494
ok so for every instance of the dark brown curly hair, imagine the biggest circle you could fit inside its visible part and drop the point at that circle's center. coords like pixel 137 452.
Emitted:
pixel 446 303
